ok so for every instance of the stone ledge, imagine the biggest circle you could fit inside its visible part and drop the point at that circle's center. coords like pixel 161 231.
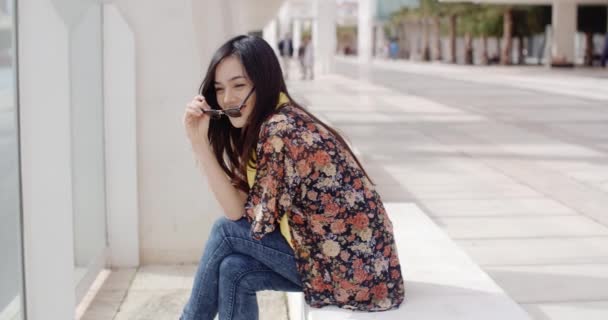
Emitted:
pixel 442 282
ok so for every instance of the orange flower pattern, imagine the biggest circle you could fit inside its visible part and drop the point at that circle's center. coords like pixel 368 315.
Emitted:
pixel 342 237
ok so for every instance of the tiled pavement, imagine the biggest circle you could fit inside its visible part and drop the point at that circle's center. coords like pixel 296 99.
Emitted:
pixel 160 293
pixel 517 177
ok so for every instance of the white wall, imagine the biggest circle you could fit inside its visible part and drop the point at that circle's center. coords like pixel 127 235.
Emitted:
pixel 175 205
pixel 247 15
pixel 174 41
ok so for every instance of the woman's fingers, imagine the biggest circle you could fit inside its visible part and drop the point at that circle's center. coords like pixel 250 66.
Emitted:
pixel 199 102
pixel 199 99
pixel 192 115
pixel 193 109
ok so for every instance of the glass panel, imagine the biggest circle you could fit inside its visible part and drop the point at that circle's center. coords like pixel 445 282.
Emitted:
pixel 87 138
pixel 11 284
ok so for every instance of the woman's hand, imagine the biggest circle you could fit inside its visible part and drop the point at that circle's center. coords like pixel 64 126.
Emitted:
pixel 196 123
pixel 197 127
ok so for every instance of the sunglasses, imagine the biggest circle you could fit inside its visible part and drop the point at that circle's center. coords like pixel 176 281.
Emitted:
pixel 234 112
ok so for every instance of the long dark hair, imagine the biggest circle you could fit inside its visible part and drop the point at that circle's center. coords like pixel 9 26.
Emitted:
pixel 232 146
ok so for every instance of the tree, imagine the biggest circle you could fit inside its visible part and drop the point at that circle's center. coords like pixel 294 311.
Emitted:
pixel 437 44
pixel 482 21
pixel 468 27
pixel 472 21
pixel 489 26
pixel 507 36
pixel 432 12
pixel 407 19
pixel 401 21
pixel 453 11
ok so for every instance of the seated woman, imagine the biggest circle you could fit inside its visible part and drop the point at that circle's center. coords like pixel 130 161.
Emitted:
pixel 300 212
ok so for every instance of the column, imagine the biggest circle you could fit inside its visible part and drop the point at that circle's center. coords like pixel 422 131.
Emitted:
pixel 120 114
pixel 297 35
pixel 284 20
pixel 564 29
pixel 324 34
pixel 45 134
pixel 365 26
pixel 270 35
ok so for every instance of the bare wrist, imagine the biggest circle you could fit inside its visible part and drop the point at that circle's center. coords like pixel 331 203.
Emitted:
pixel 204 147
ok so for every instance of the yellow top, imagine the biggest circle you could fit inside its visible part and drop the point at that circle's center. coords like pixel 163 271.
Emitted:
pixel 284 225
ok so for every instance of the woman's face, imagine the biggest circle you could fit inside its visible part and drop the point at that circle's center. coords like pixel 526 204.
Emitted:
pixel 231 87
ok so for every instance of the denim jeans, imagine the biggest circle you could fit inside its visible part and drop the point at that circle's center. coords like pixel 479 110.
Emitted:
pixel 234 267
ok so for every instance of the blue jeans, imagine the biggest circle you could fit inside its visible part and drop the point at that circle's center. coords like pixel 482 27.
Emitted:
pixel 234 267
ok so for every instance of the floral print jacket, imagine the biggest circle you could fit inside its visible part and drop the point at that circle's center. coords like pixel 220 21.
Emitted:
pixel 342 237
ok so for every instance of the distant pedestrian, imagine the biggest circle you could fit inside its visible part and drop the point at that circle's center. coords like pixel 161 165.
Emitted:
pixel 393 49
pixel 308 59
pixel 286 52
pixel 301 51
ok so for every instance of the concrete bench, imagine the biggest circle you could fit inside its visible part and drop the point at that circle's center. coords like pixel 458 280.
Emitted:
pixel 441 281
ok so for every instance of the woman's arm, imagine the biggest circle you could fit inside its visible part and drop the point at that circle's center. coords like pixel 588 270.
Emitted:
pixel 230 198
pixel 197 127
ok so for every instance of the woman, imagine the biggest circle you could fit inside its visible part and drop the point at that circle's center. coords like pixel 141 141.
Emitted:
pixel 301 213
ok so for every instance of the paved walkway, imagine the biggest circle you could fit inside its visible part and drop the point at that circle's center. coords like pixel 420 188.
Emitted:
pixel 156 293
pixel 517 177
pixel 584 83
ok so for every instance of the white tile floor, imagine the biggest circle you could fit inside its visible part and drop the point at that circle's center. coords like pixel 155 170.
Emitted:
pixel 479 157
pixel 159 293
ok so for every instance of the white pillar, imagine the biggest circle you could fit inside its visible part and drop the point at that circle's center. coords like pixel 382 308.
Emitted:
pixel 270 35
pixel 297 36
pixel 324 34
pixel 284 20
pixel 564 29
pixel 46 157
pixel 120 112
pixel 365 26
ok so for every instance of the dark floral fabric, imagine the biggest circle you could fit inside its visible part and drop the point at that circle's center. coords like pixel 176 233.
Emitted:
pixel 342 237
